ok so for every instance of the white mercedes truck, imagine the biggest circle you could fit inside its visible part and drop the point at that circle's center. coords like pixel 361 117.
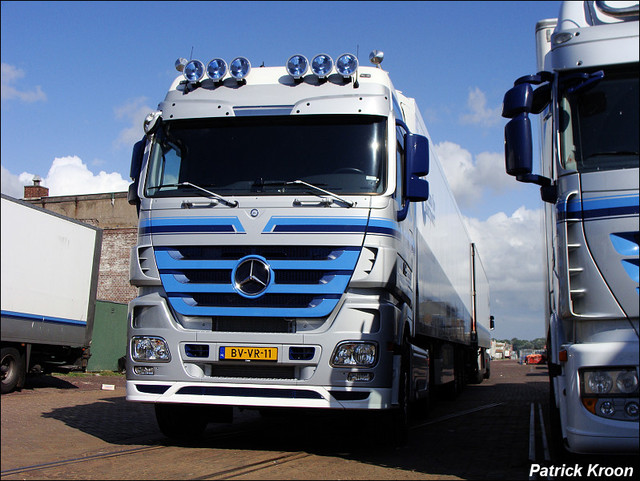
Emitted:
pixel 298 247
pixel 586 92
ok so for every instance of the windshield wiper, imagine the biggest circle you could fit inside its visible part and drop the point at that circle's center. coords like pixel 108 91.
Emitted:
pixel 326 192
pixel 208 192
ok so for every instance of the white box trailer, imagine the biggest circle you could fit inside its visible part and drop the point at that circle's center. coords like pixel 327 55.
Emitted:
pixel 49 280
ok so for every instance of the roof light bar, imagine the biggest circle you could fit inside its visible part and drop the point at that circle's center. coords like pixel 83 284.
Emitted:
pixel 346 65
pixel 322 65
pixel 239 68
pixel 297 66
pixel 193 71
pixel 216 69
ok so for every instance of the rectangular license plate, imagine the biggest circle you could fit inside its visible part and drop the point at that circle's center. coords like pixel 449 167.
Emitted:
pixel 228 353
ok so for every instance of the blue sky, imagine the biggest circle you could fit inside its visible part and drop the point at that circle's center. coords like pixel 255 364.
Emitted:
pixel 79 77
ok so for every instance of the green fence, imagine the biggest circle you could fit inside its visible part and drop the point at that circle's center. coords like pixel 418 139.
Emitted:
pixel 109 340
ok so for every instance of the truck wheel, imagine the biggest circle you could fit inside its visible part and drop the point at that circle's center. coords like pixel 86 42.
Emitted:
pixel 182 422
pixel 13 370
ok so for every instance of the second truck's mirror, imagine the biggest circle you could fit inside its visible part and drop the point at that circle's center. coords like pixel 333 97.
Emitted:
pixel 518 145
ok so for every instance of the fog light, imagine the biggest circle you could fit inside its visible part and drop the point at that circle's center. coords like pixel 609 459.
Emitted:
pixel 631 409
pixel 143 370
pixel 607 408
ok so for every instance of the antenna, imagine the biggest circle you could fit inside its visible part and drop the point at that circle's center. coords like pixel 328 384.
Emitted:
pixel 191 56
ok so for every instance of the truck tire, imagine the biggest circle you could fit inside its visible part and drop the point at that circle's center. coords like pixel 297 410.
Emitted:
pixel 181 422
pixel 12 368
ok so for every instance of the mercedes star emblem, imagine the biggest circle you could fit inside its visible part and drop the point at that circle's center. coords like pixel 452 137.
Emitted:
pixel 251 276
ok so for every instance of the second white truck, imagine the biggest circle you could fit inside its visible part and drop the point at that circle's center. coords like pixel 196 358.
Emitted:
pixel 49 270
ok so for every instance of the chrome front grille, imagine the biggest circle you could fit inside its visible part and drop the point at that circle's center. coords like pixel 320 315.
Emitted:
pixel 307 281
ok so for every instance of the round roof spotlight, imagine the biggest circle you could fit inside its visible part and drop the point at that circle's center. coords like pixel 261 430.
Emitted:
pixel 180 63
pixel 193 71
pixel 297 66
pixel 239 68
pixel 216 69
pixel 346 65
pixel 321 65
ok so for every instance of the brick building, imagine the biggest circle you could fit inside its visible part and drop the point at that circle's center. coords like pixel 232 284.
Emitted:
pixel 118 220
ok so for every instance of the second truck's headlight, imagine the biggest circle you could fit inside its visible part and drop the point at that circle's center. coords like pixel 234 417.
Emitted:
pixel 147 348
pixel 355 353
pixel 627 382
pixel 598 382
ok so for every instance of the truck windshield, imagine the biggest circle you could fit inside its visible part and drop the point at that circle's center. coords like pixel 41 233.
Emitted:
pixel 599 124
pixel 261 155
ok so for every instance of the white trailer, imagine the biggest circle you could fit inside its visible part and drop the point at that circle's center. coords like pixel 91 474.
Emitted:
pixel 49 281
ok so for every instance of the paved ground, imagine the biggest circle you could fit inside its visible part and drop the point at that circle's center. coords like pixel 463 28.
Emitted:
pixel 67 427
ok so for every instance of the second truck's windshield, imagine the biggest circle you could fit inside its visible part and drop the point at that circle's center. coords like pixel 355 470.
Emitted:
pixel 600 127
pixel 261 155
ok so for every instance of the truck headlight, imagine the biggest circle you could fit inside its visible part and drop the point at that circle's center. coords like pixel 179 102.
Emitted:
pixel 148 349
pixel 599 382
pixel 355 353
pixel 627 382
pixel 606 382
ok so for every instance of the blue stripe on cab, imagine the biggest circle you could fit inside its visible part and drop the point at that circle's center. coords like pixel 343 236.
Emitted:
pixel 189 225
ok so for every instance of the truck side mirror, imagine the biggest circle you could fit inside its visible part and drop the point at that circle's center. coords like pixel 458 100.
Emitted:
pixel 417 158
pixel 518 145
pixel 492 323
pixel 518 102
pixel 134 173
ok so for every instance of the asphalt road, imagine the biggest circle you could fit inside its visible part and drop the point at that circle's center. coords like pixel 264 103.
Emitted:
pixel 81 427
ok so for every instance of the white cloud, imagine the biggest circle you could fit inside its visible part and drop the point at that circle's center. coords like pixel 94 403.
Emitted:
pixel 469 179
pixel 134 111
pixel 480 114
pixel 11 184
pixel 511 249
pixel 67 176
pixel 70 176
pixel 9 76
